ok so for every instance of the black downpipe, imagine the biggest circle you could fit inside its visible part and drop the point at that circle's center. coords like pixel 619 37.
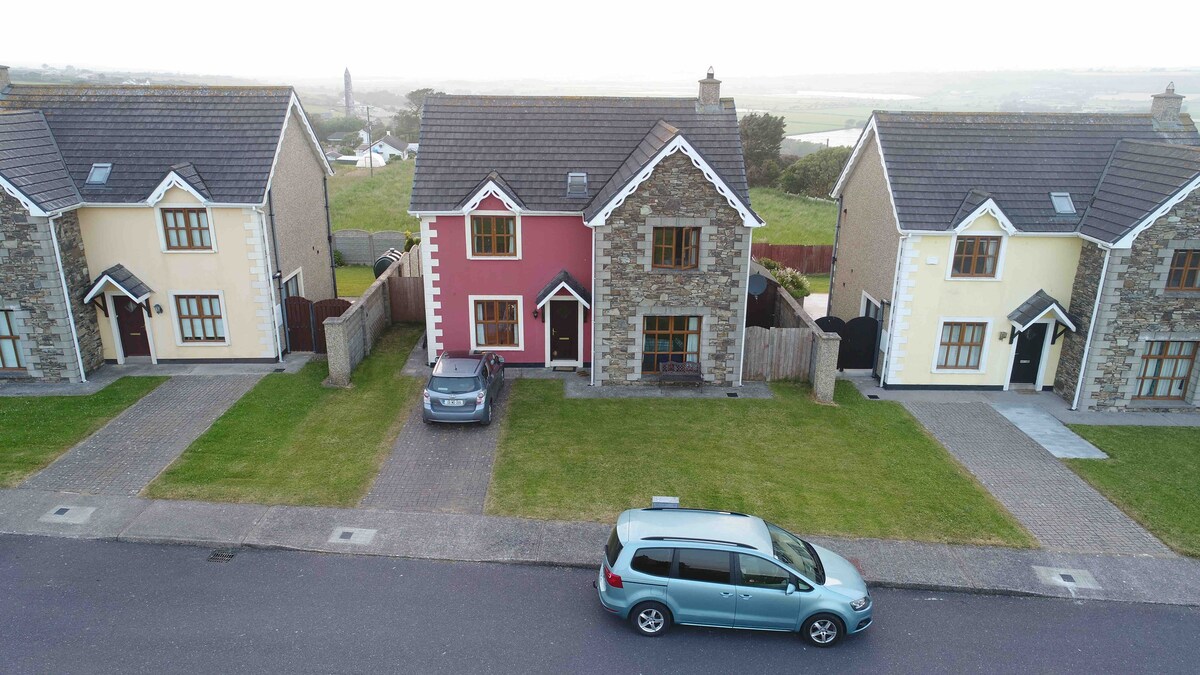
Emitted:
pixel 837 232
pixel 329 234
pixel 278 276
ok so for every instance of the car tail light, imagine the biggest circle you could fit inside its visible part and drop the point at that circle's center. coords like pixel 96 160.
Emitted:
pixel 425 394
pixel 479 398
pixel 613 580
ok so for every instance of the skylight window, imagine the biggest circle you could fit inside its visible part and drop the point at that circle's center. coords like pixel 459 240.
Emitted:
pixel 577 184
pixel 99 174
pixel 1062 202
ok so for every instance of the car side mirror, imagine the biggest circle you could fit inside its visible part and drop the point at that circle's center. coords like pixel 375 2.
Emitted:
pixel 500 359
pixel 791 588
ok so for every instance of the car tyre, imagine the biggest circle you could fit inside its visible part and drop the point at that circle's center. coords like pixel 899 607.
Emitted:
pixel 822 630
pixel 487 413
pixel 650 619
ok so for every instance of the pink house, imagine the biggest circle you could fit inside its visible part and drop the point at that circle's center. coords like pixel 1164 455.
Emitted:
pixel 603 233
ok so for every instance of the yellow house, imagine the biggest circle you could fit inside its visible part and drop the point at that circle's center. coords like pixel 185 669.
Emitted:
pixel 166 224
pixel 1044 251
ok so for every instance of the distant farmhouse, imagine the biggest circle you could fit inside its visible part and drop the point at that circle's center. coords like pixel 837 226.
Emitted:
pixel 154 224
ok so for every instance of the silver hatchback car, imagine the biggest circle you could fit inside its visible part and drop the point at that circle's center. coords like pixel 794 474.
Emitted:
pixel 463 387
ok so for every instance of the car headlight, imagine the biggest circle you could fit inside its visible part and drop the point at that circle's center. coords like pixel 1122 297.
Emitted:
pixel 861 603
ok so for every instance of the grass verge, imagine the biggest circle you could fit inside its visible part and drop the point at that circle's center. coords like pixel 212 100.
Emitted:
pixel 353 280
pixel 792 219
pixel 35 430
pixel 361 201
pixel 861 468
pixel 1152 474
pixel 291 440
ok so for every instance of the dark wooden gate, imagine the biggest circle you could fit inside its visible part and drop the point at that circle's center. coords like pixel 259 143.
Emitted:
pixel 298 311
pixel 859 344
pixel 321 310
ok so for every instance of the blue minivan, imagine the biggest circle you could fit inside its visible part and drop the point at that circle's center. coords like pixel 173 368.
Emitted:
pixel 664 566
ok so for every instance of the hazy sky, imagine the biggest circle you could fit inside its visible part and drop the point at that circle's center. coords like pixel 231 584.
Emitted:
pixel 579 41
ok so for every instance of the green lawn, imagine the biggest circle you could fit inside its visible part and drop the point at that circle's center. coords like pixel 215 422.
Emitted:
pixel 352 280
pixel 818 283
pixel 35 430
pixel 1153 474
pixel 792 219
pixel 861 468
pixel 291 440
pixel 360 201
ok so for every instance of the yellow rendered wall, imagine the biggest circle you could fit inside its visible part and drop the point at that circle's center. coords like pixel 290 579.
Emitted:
pixel 1028 263
pixel 131 236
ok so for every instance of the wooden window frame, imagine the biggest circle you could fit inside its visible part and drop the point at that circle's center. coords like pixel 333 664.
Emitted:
pixel 178 301
pixel 514 321
pixel 684 244
pixel 1190 263
pixel 1184 380
pixel 974 258
pixel 476 239
pixel 185 232
pixel 12 337
pixel 981 346
pixel 670 332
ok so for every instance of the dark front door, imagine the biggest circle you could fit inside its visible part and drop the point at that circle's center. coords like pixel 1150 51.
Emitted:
pixel 1029 354
pixel 131 322
pixel 564 330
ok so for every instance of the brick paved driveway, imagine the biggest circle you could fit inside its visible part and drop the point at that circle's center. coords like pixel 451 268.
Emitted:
pixel 131 450
pixel 1058 507
pixel 438 468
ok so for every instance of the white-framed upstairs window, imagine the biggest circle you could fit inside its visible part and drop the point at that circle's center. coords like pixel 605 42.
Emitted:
pixel 493 235
pixel 186 229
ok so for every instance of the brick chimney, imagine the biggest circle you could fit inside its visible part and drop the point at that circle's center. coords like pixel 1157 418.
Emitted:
pixel 1165 108
pixel 4 81
pixel 710 94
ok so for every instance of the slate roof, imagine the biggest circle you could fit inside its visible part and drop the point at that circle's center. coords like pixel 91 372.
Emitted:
pixel 1036 306
pixel 534 142
pixel 228 134
pixel 392 141
pixel 123 278
pixel 1139 177
pixel 30 161
pixel 934 160
pixel 496 178
pixel 656 139
pixel 563 277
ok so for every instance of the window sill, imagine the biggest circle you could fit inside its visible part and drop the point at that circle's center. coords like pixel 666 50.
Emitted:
pixel 1179 293
pixel 193 250
pixel 13 373
pixel 1151 404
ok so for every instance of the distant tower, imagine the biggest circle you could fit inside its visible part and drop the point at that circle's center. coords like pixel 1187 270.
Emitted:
pixel 349 95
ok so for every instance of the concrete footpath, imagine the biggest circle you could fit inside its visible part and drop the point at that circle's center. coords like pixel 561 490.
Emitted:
pixel 1133 578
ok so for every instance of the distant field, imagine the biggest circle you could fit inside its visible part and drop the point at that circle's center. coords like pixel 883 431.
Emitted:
pixel 807 115
pixel 792 219
pixel 360 201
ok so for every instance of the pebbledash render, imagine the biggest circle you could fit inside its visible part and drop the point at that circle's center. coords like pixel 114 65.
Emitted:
pixel 587 232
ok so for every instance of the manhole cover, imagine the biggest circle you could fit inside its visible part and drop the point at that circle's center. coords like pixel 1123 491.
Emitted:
pixel 222 555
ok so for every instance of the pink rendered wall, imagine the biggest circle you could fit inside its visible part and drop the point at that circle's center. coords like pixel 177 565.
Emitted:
pixel 549 244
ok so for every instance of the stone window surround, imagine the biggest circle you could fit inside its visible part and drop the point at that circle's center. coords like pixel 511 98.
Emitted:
pixel 1165 256
pixel 24 348
pixel 648 308
pixel 1135 362
pixel 704 255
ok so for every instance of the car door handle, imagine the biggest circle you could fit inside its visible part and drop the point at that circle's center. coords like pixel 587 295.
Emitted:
pixel 746 596
pixel 725 594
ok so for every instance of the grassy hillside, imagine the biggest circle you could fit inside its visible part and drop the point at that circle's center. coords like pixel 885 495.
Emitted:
pixel 792 219
pixel 358 200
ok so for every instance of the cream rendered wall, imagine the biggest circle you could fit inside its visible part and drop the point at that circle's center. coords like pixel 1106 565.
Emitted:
pixel 1027 263
pixel 131 236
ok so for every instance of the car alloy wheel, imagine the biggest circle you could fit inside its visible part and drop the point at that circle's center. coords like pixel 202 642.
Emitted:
pixel 822 630
pixel 651 619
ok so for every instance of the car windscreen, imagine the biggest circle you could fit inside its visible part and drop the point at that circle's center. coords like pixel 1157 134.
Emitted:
pixel 794 551
pixel 454 385
pixel 613 548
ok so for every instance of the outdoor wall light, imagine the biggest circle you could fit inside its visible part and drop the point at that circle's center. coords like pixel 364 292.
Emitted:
pixel 535 314
pixel 157 308
pixel 1003 336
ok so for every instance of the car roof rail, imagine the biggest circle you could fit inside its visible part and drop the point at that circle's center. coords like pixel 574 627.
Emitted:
pixel 701 541
pixel 693 510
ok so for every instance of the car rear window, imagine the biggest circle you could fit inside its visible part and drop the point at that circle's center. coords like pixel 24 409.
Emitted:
pixel 653 561
pixel 454 385
pixel 699 564
pixel 613 548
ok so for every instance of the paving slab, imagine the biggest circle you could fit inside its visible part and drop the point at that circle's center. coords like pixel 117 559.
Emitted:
pixel 1047 431
pixel 196 523
pixel 135 446
pixel 30 512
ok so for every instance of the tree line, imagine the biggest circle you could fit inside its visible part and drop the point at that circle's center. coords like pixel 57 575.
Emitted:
pixel 812 175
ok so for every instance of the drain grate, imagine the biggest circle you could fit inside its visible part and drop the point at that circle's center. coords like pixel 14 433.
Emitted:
pixel 222 555
pixel 732 394
pixel 280 370
pixel 873 397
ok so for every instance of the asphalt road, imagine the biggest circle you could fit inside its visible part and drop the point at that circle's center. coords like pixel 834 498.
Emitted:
pixel 97 607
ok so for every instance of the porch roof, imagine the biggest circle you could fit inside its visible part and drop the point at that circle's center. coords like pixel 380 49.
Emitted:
pixel 1037 306
pixel 126 281
pixel 563 280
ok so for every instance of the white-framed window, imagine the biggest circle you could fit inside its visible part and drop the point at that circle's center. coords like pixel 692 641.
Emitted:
pixel 493 235
pixel 199 318
pixel 976 256
pixel 496 322
pixel 961 345
pixel 186 228
pixel 10 347
pixel 293 285
pixel 1063 205
pixel 869 306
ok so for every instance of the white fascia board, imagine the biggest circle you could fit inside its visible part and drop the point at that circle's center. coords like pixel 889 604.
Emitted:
pixel 678 144
pixel 489 189
pixel 33 209
pixel 294 105
pixel 559 287
pixel 989 206
pixel 1059 316
pixel 98 288
pixel 1126 242
pixel 171 180
pixel 863 139
pixel 434 214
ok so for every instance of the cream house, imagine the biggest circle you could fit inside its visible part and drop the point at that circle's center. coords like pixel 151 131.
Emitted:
pixel 1045 251
pixel 155 224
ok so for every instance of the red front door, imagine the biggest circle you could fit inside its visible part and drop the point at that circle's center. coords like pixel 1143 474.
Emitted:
pixel 131 322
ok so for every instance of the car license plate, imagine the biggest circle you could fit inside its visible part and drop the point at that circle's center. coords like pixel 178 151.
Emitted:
pixel 452 402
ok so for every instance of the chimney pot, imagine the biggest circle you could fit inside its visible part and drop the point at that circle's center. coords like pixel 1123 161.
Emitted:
pixel 710 94
pixel 4 81
pixel 1165 108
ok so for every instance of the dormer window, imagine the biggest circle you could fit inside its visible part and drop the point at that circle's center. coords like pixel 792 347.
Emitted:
pixel 577 185
pixel 99 174
pixel 1062 203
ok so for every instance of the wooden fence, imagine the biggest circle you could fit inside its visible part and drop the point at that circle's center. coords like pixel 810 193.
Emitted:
pixel 407 296
pixel 777 353
pixel 804 259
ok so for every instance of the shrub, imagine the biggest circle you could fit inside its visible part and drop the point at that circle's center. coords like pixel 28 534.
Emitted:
pixel 339 260
pixel 410 241
pixel 771 265
pixel 814 175
pixel 793 282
